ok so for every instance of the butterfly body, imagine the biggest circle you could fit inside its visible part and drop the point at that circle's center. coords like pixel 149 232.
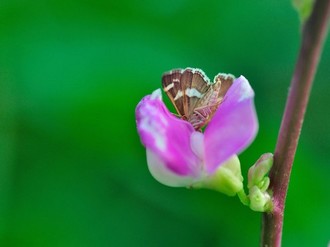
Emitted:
pixel 193 95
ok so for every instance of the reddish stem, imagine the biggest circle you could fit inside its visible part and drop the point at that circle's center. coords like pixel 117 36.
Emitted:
pixel 314 33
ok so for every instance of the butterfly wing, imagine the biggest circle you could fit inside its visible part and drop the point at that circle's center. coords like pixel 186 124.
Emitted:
pixel 195 85
pixel 194 97
pixel 206 106
pixel 209 103
pixel 171 82
pixel 226 80
pixel 222 82
pixel 185 88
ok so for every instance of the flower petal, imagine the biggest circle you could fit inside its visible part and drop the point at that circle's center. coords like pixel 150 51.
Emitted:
pixel 167 137
pixel 233 127
pixel 165 176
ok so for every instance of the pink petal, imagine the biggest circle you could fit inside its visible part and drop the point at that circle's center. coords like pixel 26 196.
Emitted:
pixel 166 137
pixel 165 176
pixel 233 127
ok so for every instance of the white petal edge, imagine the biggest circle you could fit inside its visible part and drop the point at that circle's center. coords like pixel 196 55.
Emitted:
pixel 157 94
pixel 163 175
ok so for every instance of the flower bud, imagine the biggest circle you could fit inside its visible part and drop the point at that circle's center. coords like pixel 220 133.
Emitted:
pixel 257 173
pixel 260 201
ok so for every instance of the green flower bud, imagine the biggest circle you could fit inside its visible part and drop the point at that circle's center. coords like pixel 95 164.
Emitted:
pixel 257 173
pixel 258 183
pixel 260 201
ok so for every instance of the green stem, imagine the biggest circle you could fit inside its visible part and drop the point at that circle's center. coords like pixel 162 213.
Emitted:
pixel 314 33
pixel 243 197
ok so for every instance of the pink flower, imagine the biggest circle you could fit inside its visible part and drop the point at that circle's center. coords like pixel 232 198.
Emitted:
pixel 177 154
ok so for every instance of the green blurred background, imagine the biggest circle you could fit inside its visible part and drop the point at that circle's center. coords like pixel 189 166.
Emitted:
pixel 72 169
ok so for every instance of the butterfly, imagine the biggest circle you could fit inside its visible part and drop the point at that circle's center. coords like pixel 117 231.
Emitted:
pixel 194 97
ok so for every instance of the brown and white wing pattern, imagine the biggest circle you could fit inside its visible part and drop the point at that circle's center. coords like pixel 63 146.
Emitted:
pixel 196 86
pixel 185 88
pixel 226 82
pixel 210 102
pixel 193 95
pixel 171 82
pixel 206 106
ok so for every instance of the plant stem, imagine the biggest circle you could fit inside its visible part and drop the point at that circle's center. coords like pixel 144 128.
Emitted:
pixel 313 35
